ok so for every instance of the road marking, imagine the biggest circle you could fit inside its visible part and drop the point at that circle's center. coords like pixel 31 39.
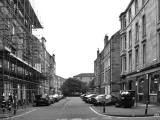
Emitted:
pixel 136 117
pixel 77 119
pixel 21 114
pixel 108 117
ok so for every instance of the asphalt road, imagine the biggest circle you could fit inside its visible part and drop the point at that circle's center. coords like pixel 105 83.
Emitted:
pixel 70 108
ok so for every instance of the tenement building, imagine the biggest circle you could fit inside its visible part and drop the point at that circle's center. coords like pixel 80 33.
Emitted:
pixel 140 49
pixel 23 61
pixel 107 66
pixel 58 82
pixel 99 72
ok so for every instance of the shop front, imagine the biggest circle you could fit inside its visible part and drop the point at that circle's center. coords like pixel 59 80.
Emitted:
pixel 146 85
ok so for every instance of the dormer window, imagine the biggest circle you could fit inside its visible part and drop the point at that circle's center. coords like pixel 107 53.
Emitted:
pixel 136 6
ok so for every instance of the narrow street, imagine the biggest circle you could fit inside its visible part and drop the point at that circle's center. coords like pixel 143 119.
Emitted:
pixel 70 108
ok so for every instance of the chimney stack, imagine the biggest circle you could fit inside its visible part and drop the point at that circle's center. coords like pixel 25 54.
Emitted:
pixel 105 40
pixel 97 52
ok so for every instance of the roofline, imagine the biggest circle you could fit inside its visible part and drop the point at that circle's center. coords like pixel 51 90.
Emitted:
pixel 36 23
pixel 28 12
pixel 85 74
pixel 129 5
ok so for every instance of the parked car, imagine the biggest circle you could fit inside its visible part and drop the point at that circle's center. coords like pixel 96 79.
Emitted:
pixel 40 100
pixel 90 99
pixel 111 100
pixel 104 100
pixel 87 97
pixel 98 99
pixel 83 96
pixel 126 99
pixel 52 100
pixel 55 97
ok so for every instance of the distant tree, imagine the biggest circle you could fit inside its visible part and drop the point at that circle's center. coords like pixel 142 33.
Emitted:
pixel 73 86
pixel 91 85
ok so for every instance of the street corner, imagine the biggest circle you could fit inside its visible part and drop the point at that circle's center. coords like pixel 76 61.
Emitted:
pixel 113 111
pixel 157 114
pixel 19 113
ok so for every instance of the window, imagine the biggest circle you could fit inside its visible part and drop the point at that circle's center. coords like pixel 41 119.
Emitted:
pixel 12 67
pixel 130 85
pixel 130 38
pixel 124 67
pixel 123 22
pixel 159 9
pixel 13 29
pixel 144 53
pixel 136 6
pixel 137 32
pixel 136 57
pixel 130 61
pixel 153 85
pixel 0 63
pixel 144 25
pixel 130 15
pixel 159 43
pixel 125 42
pixel 121 64
pixel 121 43
pixel 125 63
pixel 6 64
pixel 141 86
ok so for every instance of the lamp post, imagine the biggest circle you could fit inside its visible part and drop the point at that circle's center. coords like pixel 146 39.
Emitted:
pixel 136 92
pixel 147 100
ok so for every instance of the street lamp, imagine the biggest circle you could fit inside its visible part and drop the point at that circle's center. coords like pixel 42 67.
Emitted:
pixel 147 101
pixel 136 92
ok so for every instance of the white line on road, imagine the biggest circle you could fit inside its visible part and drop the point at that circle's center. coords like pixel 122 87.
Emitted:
pixel 109 117
pixel 137 117
pixel 21 114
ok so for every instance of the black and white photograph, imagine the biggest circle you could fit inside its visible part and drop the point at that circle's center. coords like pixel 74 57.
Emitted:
pixel 79 59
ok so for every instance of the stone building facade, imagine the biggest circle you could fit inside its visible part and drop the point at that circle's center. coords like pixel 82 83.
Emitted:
pixel 18 76
pixel 140 49
pixel 58 82
pixel 99 72
pixel 21 54
pixel 107 66
pixel 115 65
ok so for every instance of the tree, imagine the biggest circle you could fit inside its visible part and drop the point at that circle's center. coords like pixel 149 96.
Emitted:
pixel 91 85
pixel 73 86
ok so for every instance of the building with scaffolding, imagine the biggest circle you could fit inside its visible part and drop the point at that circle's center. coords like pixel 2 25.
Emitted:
pixel 23 66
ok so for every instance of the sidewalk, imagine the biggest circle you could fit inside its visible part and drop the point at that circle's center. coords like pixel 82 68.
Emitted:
pixel 19 111
pixel 138 111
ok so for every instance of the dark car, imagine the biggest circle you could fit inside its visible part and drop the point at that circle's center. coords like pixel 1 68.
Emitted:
pixel 41 101
pixel 126 99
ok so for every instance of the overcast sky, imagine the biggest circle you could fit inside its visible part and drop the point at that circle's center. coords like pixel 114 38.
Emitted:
pixel 75 29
